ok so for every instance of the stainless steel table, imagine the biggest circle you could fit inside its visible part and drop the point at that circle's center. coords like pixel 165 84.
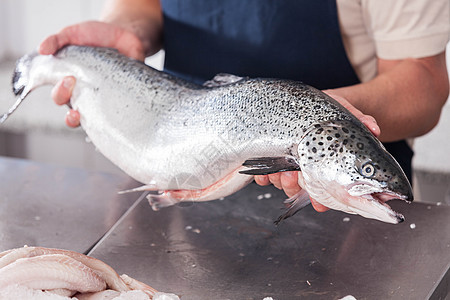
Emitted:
pixel 228 249
pixel 231 249
pixel 50 206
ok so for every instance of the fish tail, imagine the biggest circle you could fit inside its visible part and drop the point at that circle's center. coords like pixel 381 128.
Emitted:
pixel 21 75
pixel 20 82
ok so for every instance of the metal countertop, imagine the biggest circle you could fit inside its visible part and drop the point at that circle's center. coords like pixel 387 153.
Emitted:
pixel 50 206
pixel 227 249
pixel 231 249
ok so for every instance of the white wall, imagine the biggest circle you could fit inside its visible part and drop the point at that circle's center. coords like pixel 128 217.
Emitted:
pixel 24 23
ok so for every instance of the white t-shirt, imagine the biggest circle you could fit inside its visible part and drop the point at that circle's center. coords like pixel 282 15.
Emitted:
pixel 392 29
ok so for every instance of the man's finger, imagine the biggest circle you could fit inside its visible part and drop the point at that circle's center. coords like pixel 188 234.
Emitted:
pixel 289 183
pixel 318 207
pixel 367 120
pixel 371 123
pixel 262 180
pixel 62 91
pixel 53 43
pixel 275 180
pixel 73 118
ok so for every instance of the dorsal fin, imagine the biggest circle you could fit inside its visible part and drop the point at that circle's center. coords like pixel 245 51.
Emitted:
pixel 222 79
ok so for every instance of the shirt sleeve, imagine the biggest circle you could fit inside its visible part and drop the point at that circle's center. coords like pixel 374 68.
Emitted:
pixel 407 28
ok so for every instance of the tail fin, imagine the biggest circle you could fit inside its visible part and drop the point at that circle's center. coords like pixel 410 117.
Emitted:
pixel 21 74
pixel 20 82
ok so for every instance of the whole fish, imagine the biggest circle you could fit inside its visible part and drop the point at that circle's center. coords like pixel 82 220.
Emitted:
pixel 202 142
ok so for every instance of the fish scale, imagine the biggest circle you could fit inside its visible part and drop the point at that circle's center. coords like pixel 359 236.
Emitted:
pixel 194 142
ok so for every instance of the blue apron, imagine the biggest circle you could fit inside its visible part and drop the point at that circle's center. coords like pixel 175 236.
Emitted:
pixel 290 39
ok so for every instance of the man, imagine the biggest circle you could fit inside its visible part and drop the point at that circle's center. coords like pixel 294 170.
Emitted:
pixel 386 59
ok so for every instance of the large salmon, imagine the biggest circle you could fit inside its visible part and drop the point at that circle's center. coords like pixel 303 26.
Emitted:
pixel 203 142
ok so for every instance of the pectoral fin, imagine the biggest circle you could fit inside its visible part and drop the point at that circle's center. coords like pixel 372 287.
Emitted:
pixel 270 165
pixel 294 204
pixel 143 188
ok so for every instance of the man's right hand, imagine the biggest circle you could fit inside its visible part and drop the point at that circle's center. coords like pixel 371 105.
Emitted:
pixel 91 33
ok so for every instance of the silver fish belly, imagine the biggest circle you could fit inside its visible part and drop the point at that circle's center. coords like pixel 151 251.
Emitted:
pixel 204 142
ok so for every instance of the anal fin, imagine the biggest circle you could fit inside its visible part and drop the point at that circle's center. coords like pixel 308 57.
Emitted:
pixel 270 165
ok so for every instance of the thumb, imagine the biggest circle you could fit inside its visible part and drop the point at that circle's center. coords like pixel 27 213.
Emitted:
pixel 367 120
pixel 96 34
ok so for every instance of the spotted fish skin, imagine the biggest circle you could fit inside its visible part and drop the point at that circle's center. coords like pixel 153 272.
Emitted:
pixel 341 159
pixel 173 135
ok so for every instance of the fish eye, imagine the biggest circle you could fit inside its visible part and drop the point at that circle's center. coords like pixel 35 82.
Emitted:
pixel 368 170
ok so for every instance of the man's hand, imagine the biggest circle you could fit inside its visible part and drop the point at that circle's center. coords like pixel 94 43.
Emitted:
pixel 92 33
pixel 96 34
pixel 288 181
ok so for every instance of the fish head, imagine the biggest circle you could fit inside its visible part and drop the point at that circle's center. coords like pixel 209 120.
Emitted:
pixel 345 167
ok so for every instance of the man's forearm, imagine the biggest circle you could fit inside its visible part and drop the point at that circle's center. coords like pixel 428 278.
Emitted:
pixel 406 97
pixel 142 17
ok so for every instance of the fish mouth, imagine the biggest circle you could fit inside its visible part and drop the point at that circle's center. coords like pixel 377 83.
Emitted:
pixel 379 209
